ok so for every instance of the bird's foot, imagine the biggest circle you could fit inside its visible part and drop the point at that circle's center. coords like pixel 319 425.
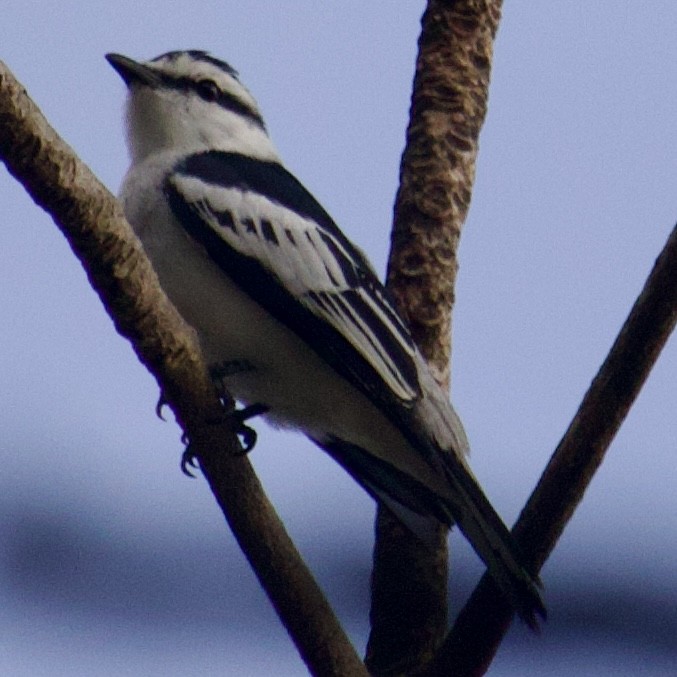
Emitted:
pixel 247 433
pixel 236 419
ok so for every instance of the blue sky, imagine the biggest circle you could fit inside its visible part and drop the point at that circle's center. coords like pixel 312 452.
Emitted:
pixel 113 563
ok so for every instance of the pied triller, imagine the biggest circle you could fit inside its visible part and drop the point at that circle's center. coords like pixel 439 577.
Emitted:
pixel 289 313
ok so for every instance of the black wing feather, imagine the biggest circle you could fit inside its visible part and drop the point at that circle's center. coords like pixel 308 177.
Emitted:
pixel 299 267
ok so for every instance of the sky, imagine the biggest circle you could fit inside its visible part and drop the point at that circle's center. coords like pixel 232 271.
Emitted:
pixel 113 563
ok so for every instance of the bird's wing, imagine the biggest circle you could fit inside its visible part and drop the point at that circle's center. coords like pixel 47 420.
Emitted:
pixel 270 236
pixel 273 239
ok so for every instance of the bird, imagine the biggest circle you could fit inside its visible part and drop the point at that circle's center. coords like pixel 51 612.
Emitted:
pixel 289 313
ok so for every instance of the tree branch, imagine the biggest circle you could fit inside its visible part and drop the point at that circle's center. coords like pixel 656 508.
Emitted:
pixel 483 622
pixel 92 222
pixel 448 107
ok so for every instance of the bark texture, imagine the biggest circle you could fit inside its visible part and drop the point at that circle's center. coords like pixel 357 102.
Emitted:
pixel 448 107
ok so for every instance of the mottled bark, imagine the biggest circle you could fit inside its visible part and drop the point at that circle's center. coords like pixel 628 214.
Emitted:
pixel 448 107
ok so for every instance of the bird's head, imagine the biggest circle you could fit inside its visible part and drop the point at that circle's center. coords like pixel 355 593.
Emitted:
pixel 189 101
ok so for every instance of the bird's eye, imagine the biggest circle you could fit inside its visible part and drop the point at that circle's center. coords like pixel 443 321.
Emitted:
pixel 208 90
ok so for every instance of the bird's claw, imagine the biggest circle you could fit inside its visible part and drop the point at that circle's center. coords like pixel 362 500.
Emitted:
pixel 247 433
pixel 161 404
pixel 237 418
pixel 248 438
pixel 189 460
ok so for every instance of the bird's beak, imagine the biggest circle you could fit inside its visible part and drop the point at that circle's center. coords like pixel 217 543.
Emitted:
pixel 132 71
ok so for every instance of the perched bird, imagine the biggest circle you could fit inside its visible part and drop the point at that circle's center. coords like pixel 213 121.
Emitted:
pixel 289 313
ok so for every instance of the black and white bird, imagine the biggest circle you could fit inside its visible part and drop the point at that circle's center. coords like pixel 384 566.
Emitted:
pixel 287 310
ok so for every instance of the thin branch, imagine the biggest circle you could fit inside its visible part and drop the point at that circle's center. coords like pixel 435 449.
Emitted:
pixel 483 622
pixel 92 221
pixel 448 107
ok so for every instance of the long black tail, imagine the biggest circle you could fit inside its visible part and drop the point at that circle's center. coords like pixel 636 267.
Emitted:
pixel 418 507
pixel 492 541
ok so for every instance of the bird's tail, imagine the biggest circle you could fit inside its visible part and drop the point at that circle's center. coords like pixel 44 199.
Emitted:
pixel 418 507
pixel 435 427
pixel 476 518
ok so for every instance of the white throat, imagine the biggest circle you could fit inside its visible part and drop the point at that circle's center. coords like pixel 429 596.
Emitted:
pixel 166 121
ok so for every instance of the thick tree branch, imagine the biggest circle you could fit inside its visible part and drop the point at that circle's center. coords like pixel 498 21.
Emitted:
pixel 480 627
pixel 92 221
pixel 448 107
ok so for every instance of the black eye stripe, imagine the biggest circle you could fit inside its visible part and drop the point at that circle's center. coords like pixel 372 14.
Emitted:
pixel 215 95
